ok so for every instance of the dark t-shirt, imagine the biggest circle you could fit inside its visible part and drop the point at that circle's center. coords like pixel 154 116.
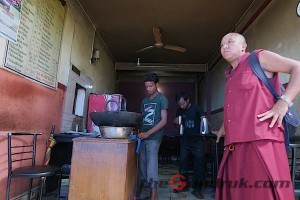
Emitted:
pixel 151 110
pixel 191 119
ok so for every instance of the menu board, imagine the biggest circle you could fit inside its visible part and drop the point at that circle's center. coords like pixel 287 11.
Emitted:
pixel 10 18
pixel 36 53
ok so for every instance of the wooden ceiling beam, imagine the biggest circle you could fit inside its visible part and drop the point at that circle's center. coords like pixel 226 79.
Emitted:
pixel 201 68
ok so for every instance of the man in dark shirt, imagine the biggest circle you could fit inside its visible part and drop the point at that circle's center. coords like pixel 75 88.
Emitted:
pixel 191 143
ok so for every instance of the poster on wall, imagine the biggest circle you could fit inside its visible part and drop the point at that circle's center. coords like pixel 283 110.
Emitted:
pixel 35 55
pixel 10 14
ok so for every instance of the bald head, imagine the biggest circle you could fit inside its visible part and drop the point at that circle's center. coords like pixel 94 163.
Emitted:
pixel 233 45
pixel 236 36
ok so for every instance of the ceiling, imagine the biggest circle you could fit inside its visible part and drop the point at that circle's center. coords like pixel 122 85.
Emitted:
pixel 197 25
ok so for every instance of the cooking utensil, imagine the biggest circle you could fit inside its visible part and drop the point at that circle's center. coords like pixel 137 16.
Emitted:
pixel 204 126
pixel 115 132
pixel 116 118
pixel 180 125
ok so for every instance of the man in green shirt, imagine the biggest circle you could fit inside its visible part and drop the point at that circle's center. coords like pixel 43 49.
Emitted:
pixel 154 109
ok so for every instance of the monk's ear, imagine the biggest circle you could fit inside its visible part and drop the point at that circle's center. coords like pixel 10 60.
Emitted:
pixel 244 45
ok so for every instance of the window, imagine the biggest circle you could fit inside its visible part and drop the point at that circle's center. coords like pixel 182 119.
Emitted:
pixel 79 100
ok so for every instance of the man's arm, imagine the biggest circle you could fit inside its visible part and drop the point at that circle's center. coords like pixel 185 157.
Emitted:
pixel 157 127
pixel 176 120
pixel 272 62
pixel 220 132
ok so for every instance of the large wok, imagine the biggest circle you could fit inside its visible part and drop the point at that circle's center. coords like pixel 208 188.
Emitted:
pixel 116 118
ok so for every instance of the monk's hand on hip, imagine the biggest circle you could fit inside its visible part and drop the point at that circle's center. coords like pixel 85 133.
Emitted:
pixel 276 113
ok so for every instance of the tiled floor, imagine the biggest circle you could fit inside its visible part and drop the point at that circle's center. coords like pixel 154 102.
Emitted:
pixel 165 191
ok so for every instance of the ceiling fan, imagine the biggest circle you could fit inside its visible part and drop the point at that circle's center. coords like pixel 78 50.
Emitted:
pixel 159 44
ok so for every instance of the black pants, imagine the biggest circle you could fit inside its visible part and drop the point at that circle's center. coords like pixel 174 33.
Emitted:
pixel 194 146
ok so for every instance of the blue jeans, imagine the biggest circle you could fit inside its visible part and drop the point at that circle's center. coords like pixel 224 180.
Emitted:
pixel 148 162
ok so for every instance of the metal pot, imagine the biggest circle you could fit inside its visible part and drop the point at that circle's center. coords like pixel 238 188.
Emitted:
pixel 115 132
pixel 116 118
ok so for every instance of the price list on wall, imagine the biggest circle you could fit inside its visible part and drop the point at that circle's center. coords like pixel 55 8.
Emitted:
pixel 36 53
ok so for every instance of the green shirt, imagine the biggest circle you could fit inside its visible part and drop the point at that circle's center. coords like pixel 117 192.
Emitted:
pixel 151 110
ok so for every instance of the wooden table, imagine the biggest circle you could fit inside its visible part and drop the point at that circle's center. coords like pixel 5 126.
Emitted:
pixel 103 169
pixel 61 154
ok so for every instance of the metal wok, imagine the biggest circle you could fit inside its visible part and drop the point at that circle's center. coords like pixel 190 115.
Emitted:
pixel 116 118
pixel 115 132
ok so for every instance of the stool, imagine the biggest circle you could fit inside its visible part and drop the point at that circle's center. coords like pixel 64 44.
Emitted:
pixel 23 151
pixel 295 174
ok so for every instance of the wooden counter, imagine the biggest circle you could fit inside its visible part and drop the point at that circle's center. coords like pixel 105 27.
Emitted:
pixel 103 169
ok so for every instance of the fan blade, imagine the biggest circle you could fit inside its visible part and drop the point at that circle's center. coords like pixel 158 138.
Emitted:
pixel 144 49
pixel 157 35
pixel 175 48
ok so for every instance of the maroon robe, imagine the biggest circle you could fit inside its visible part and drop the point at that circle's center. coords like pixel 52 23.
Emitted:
pixel 258 167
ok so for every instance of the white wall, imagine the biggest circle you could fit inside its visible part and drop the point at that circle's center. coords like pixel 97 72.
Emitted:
pixel 78 41
pixel 277 30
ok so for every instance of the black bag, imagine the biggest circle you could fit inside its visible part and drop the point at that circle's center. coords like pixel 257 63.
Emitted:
pixel 291 119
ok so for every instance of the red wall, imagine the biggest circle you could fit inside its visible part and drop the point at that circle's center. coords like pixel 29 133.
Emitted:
pixel 25 106
pixel 134 92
